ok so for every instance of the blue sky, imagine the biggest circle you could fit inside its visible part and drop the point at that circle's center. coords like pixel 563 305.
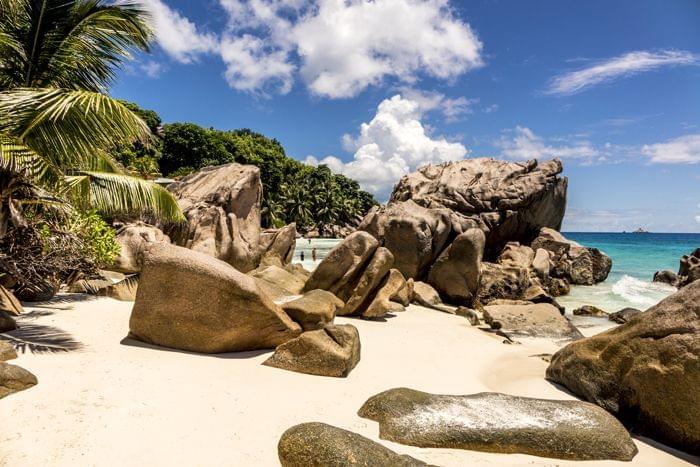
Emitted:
pixel 376 89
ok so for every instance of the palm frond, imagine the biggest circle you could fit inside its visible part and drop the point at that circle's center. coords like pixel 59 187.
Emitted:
pixel 39 338
pixel 118 194
pixel 68 128
pixel 18 158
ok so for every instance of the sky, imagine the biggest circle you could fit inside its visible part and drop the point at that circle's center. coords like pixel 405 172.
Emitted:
pixel 376 89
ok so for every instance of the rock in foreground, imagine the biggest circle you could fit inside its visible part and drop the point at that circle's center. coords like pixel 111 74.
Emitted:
pixel 647 371
pixel 14 379
pixel 331 351
pixel 320 445
pixel 190 301
pixel 500 423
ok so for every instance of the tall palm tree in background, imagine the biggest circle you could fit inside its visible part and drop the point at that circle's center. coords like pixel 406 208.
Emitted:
pixel 57 123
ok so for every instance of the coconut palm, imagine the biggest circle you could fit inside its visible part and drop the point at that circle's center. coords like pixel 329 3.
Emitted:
pixel 57 123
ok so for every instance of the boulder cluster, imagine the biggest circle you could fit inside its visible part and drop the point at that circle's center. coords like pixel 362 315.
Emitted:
pixel 688 271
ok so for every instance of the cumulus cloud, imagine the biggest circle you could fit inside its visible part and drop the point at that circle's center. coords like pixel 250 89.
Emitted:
pixel 682 150
pixel 394 143
pixel 451 108
pixel 252 67
pixel 179 37
pixel 523 144
pixel 342 47
pixel 629 64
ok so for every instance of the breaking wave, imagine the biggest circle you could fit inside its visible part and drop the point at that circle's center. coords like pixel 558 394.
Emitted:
pixel 639 292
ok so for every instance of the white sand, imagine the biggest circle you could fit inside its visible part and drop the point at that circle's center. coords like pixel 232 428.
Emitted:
pixel 121 403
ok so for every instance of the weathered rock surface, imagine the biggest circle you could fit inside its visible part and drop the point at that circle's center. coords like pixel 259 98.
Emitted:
pixel 541 264
pixel 510 201
pixel 647 371
pixel 499 281
pixel 191 301
pixel 405 295
pixel 590 310
pixel 343 263
pixel 500 423
pixel 7 322
pixel 666 277
pixel 361 289
pixel 381 304
pixel 132 240
pixel 415 235
pixel 425 295
pixel 7 351
pixel 277 246
pixel 313 310
pixel 516 255
pixel 222 208
pixel 9 303
pixel 536 320
pixel 457 271
pixel 624 315
pixel 124 290
pixel 319 445
pixel 578 264
pixel 281 277
pixel 331 351
pixel 14 379
pixel 689 270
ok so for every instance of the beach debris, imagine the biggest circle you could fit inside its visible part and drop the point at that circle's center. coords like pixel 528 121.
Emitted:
pixel 535 320
pixel 191 301
pixel 499 423
pixel 331 351
pixel 316 444
pixel 14 379
pixel 313 310
pixel 590 310
pixel 456 272
pixel 647 371
pixel 624 315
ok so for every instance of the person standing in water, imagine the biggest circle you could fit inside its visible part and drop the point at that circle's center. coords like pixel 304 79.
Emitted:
pixel 302 256
pixel 313 254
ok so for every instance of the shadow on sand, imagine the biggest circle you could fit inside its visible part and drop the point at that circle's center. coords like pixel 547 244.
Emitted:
pixel 130 341
pixel 39 338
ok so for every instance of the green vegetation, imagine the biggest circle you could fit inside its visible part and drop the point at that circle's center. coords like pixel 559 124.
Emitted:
pixel 292 191
pixel 57 130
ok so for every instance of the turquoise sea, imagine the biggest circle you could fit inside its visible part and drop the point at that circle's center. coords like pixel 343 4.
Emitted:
pixel 635 259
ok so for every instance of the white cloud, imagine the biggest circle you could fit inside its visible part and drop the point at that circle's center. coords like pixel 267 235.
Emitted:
pixel 522 143
pixel 618 67
pixel 152 69
pixel 682 150
pixel 393 144
pixel 178 36
pixel 491 109
pixel 250 67
pixel 345 46
pixel 451 108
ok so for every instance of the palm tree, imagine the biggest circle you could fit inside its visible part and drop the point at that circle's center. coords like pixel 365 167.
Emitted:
pixel 57 123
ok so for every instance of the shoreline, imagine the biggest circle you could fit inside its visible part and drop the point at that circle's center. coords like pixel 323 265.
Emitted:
pixel 119 402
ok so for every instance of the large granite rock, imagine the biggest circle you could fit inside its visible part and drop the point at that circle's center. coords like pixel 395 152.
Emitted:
pixel 425 295
pixel 500 423
pixel 578 264
pixel 416 235
pixel 319 445
pixel 382 303
pixel 314 309
pixel 502 282
pixel 191 301
pixel 7 322
pixel 124 290
pixel 281 277
pixel 510 201
pixel 14 379
pixel 536 320
pixel 331 351
pixel 689 270
pixel 624 315
pixel 277 246
pixel 9 303
pixel 343 263
pixel 647 371
pixel 358 295
pixel 132 240
pixel 222 208
pixel 457 271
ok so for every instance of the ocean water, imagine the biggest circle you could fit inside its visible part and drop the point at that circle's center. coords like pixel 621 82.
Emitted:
pixel 635 259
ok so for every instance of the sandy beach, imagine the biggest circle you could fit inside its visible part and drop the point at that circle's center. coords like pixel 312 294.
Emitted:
pixel 116 401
